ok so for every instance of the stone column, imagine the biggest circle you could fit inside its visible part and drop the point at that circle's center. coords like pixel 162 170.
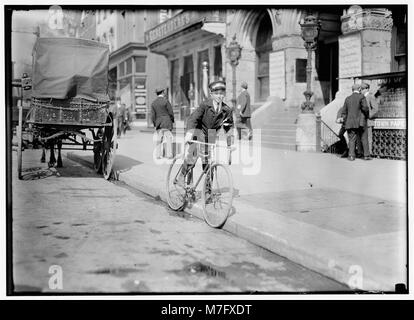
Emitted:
pixel 365 44
pixel 286 49
pixel 287 46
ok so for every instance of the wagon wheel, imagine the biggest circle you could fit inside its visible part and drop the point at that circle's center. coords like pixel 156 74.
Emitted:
pixel 97 151
pixel 20 143
pixel 109 145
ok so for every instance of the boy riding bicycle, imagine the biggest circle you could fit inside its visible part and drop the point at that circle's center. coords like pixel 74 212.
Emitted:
pixel 203 125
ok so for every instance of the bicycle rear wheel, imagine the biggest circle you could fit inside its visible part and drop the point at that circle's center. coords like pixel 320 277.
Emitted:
pixel 218 202
pixel 176 195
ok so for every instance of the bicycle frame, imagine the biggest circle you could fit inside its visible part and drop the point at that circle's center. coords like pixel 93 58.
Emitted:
pixel 199 155
pixel 205 156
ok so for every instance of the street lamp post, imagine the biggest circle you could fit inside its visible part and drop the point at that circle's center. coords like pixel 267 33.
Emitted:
pixel 234 55
pixel 310 33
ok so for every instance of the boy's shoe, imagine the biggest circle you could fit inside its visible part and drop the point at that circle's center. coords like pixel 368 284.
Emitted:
pixel 208 198
pixel 180 181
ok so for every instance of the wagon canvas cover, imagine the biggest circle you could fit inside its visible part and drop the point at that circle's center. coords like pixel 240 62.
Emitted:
pixel 65 68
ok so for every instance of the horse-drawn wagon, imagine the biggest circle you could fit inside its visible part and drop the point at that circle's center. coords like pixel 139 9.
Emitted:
pixel 70 107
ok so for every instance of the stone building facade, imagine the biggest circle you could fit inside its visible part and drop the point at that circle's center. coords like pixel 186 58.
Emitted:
pixel 134 72
pixel 353 42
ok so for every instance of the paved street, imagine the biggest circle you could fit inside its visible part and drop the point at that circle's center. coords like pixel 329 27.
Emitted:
pixel 106 237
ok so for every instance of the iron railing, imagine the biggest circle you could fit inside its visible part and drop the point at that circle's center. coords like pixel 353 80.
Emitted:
pixel 326 137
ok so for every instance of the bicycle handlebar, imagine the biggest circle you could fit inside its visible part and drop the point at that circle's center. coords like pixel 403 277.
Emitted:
pixel 202 143
pixel 211 144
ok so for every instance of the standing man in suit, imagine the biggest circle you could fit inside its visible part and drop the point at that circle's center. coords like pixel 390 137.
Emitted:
pixel 162 117
pixel 373 109
pixel 354 109
pixel 243 107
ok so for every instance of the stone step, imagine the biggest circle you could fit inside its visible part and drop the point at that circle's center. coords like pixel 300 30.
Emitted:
pixel 280 126
pixel 279 138
pixel 283 119
pixel 279 145
pixel 278 132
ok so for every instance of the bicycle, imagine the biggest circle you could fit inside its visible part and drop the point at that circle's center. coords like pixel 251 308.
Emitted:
pixel 216 207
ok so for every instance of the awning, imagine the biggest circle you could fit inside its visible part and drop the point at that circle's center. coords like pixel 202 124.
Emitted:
pixel 185 27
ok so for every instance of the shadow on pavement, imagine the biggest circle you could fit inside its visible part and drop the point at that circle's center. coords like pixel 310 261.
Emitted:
pixel 124 163
pixel 38 173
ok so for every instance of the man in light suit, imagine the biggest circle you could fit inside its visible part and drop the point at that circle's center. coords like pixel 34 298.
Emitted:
pixel 373 109
pixel 354 109
pixel 162 117
pixel 244 112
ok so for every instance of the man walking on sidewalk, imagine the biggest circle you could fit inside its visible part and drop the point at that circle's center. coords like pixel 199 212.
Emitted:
pixel 244 112
pixel 354 110
pixel 162 117
pixel 203 124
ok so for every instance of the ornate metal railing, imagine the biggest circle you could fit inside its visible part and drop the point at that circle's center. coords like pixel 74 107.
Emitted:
pixel 389 143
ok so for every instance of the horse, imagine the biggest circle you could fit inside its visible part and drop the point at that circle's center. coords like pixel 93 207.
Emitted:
pixel 50 144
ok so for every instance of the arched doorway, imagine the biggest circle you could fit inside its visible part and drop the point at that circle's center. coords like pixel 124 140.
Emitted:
pixel 263 46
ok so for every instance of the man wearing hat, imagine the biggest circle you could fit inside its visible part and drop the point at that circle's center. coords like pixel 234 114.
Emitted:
pixel 373 109
pixel 203 124
pixel 354 110
pixel 244 113
pixel 162 117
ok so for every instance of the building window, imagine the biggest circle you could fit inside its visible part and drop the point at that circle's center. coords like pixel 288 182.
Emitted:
pixel 263 75
pixel 112 83
pixel 301 70
pixel 399 48
pixel 263 48
pixel 125 91
pixel 218 68
pixel 128 66
pixel 140 64
pixel 202 57
pixel 121 69
pixel 104 14
pixel 98 14
pixel 175 82
pixel 188 77
pixel 104 38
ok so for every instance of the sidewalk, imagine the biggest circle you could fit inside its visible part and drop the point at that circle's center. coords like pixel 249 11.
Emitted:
pixel 346 220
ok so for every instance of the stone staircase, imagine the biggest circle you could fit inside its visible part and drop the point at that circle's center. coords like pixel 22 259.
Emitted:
pixel 280 130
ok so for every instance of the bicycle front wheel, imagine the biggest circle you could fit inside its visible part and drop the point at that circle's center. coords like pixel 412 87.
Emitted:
pixel 176 195
pixel 217 195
